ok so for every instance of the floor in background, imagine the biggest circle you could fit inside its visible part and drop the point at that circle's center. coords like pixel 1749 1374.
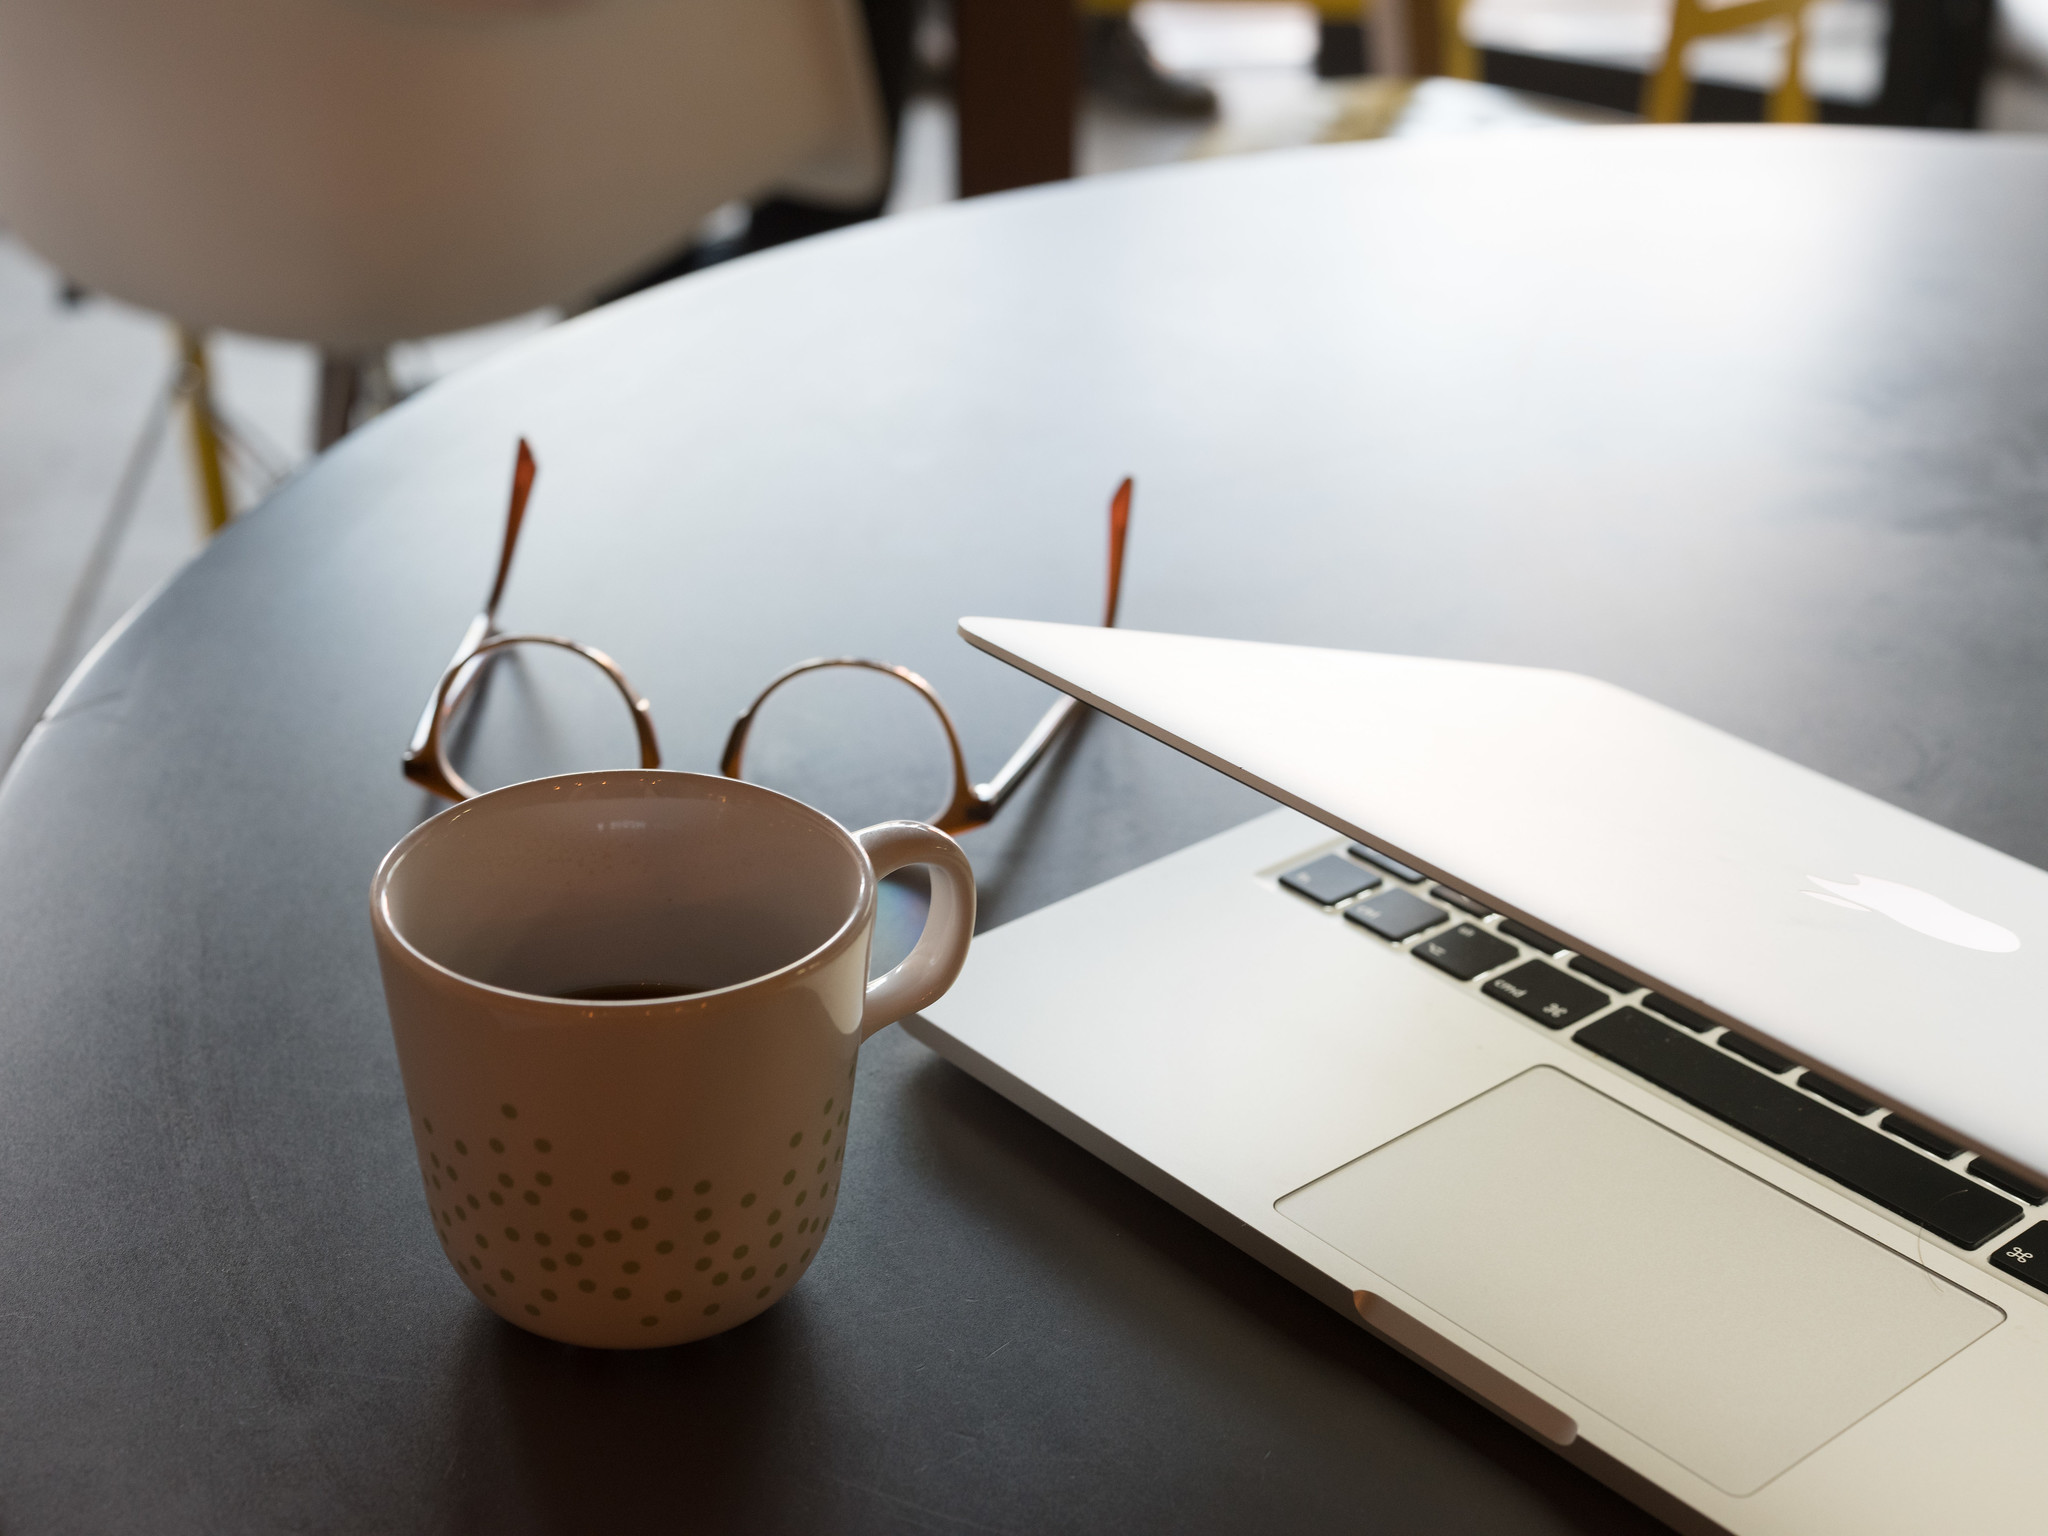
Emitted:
pixel 98 500
pixel 83 385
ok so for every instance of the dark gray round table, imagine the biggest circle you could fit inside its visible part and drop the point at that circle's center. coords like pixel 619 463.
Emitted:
pixel 1752 421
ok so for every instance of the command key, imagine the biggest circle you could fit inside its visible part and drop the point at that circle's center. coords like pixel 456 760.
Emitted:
pixel 2026 1256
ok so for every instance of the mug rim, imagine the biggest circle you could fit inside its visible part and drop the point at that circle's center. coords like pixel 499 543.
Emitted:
pixel 827 951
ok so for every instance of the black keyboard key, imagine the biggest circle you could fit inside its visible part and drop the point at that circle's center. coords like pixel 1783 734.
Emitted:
pixel 1603 975
pixel 2026 1256
pixel 1546 994
pixel 2007 1180
pixel 1778 1115
pixel 1329 880
pixel 1460 900
pixel 1756 1051
pixel 1827 1088
pixel 1386 861
pixel 1677 1013
pixel 1466 951
pixel 1395 914
pixel 1535 938
pixel 1920 1136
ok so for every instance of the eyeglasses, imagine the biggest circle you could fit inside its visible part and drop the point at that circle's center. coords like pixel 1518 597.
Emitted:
pixel 968 804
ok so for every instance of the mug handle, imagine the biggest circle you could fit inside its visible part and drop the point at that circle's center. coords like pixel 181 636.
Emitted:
pixel 923 975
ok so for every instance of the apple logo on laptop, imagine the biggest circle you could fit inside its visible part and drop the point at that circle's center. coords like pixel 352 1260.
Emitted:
pixel 1916 910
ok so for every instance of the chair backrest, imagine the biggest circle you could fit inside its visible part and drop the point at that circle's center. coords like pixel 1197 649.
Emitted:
pixel 355 172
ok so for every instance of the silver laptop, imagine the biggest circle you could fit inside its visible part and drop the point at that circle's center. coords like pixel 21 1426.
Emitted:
pixel 1685 1106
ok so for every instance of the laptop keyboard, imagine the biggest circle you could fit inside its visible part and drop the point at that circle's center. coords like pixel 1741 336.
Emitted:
pixel 1330 880
pixel 1925 1192
pixel 1396 915
pixel 1464 951
pixel 1547 995
pixel 1891 1160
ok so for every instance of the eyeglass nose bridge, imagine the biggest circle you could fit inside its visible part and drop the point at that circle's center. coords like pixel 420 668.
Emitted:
pixel 962 810
pixel 431 769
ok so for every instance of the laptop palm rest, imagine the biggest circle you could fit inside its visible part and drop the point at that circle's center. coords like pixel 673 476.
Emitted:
pixel 1719 1320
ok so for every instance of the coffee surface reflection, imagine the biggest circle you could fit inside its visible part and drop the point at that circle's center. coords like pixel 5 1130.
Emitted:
pixel 631 992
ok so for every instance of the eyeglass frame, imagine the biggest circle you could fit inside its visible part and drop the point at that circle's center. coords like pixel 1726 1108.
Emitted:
pixel 969 805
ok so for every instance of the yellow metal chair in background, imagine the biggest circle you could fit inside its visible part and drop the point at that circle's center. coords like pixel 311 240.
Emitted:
pixel 1667 92
pixel 1667 89
pixel 1437 45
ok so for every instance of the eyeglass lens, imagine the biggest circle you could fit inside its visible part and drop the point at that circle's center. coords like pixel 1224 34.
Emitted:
pixel 860 744
pixel 538 709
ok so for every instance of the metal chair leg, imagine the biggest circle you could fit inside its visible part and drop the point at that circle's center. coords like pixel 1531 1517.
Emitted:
pixel 341 391
pixel 354 386
pixel 1789 103
pixel 206 458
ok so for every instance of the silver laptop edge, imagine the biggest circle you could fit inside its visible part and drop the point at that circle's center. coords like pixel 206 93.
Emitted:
pixel 1658 845
pixel 1666 1296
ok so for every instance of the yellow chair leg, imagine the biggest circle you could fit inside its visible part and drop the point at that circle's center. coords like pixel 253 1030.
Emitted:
pixel 1456 56
pixel 1667 96
pixel 198 388
pixel 1789 103
pixel 1667 93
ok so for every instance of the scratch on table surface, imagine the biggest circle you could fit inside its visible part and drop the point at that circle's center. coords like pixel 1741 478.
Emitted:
pixel 406 1381
pixel 969 1444
pixel 960 1522
pixel 998 1350
pixel 919 1306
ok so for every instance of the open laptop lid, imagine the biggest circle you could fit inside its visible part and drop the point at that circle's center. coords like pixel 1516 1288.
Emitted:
pixel 1880 947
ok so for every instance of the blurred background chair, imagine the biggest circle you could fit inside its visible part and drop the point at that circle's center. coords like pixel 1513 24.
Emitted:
pixel 353 173
pixel 1902 63
pixel 1667 94
pixel 1667 89
pixel 1428 75
pixel 1899 63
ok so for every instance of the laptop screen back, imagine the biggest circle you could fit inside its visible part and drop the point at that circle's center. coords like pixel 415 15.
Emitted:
pixel 1861 938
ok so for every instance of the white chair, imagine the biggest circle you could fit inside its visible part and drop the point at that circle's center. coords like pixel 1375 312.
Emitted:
pixel 357 172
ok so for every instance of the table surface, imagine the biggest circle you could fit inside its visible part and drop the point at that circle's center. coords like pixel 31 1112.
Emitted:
pixel 1754 422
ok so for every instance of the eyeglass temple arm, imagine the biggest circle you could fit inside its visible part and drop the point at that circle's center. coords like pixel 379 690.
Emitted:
pixel 1119 530
pixel 418 762
pixel 523 470
pixel 982 800
pixel 991 796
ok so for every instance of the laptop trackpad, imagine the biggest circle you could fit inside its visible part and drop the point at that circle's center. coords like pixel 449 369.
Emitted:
pixel 1728 1325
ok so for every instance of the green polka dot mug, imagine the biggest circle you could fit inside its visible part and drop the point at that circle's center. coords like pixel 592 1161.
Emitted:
pixel 627 1009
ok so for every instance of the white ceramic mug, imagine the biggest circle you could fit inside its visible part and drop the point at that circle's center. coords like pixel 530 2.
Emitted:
pixel 627 1007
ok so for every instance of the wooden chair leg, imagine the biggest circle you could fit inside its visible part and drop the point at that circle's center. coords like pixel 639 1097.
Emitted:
pixel 215 509
pixel 1017 83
